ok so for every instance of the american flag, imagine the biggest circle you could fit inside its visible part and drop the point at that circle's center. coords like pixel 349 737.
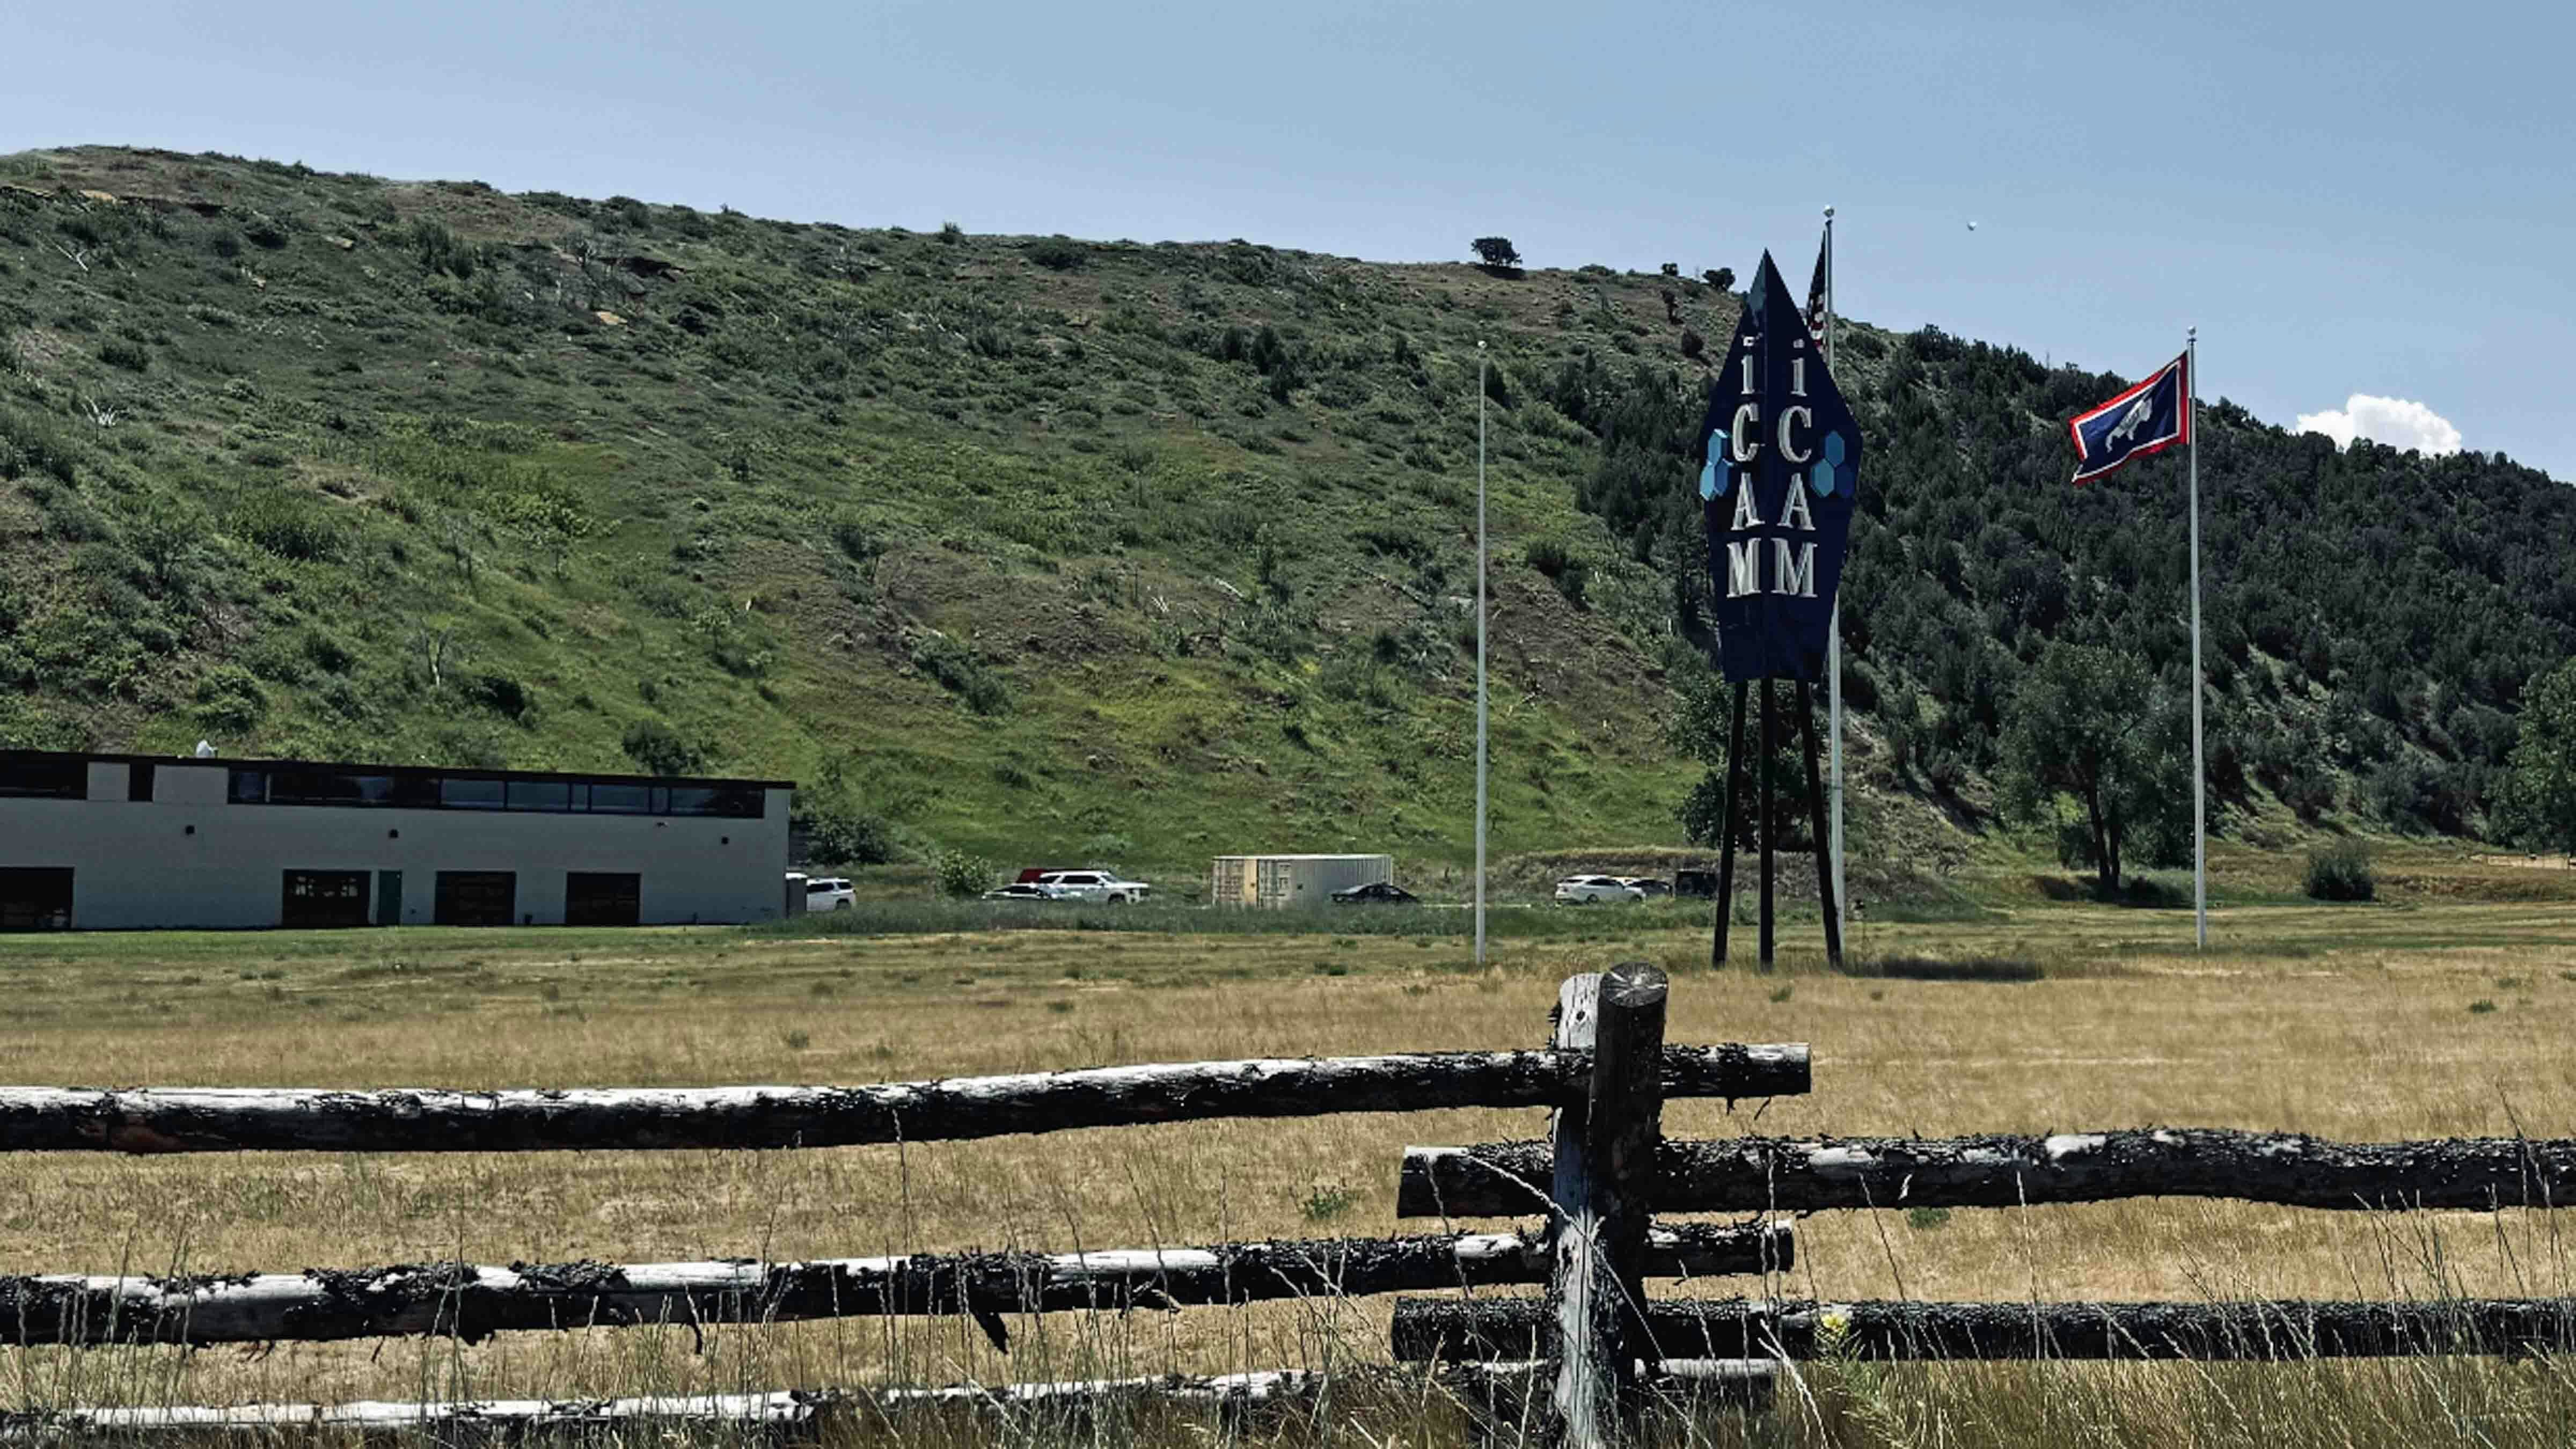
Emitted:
pixel 1816 299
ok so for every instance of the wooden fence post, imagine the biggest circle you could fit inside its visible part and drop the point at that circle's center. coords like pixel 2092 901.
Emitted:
pixel 1605 1161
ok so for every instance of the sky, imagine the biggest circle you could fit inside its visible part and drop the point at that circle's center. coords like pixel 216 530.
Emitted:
pixel 2365 208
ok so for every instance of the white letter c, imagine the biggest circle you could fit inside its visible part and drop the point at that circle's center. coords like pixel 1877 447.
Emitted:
pixel 1787 449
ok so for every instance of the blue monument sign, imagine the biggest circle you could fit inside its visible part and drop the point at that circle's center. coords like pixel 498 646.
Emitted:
pixel 1780 471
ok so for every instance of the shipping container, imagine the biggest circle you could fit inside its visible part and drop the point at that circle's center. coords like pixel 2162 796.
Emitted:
pixel 1293 880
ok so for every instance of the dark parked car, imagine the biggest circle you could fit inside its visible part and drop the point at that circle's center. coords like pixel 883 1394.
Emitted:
pixel 1699 883
pixel 1376 893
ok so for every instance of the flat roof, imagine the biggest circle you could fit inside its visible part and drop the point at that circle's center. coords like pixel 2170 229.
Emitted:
pixel 475 772
pixel 1359 855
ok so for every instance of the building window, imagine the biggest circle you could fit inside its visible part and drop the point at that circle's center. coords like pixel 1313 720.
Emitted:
pixel 429 790
pixel 466 793
pixel 476 898
pixel 329 787
pixel 139 780
pixel 728 800
pixel 608 799
pixel 550 795
pixel 36 898
pixel 602 898
pixel 48 779
pixel 325 898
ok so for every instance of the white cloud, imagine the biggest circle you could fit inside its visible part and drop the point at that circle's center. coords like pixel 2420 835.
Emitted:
pixel 2395 421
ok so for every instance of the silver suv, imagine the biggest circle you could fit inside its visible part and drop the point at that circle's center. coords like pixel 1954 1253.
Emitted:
pixel 829 893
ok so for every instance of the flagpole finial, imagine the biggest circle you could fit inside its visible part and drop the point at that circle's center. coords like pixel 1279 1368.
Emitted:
pixel 1829 213
pixel 2189 334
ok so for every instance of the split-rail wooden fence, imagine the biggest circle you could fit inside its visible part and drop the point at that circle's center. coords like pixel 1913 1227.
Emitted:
pixel 1592 1350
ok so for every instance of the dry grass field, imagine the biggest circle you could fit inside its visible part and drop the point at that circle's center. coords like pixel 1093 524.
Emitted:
pixel 2423 1018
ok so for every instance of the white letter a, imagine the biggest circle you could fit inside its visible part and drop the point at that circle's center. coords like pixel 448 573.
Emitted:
pixel 1745 517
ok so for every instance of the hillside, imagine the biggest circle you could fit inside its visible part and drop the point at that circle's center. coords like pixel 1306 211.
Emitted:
pixel 1054 549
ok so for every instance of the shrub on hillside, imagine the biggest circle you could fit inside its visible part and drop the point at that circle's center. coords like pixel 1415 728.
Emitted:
pixel 504 696
pixel 963 875
pixel 840 834
pixel 1570 574
pixel 659 749
pixel 957 669
pixel 288 525
pixel 1058 253
pixel 2340 871
pixel 228 698
pixel 31 443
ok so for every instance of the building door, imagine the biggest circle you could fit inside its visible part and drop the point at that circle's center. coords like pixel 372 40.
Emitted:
pixel 388 898
pixel 477 898
pixel 36 898
pixel 602 898
pixel 324 898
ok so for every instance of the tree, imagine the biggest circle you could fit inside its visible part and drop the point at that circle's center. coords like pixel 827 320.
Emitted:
pixel 2538 793
pixel 1672 269
pixel 1701 727
pixel 2088 724
pixel 663 750
pixel 1722 278
pixel 1496 251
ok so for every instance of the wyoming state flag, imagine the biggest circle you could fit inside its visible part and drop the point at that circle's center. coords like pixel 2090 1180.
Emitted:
pixel 2148 418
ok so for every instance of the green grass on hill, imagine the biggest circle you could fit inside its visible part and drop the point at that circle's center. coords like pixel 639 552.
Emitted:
pixel 1032 548
pixel 1044 549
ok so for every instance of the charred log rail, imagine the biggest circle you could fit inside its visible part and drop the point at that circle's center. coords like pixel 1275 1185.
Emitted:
pixel 1456 1329
pixel 194 1119
pixel 801 1412
pixel 797 1412
pixel 470 1302
pixel 1756 1174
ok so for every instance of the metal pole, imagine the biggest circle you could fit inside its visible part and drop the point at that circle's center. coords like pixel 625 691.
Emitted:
pixel 1480 653
pixel 2199 770
pixel 1726 833
pixel 1834 655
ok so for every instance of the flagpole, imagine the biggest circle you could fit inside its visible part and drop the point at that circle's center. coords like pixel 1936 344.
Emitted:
pixel 1480 653
pixel 1834 654
pixel 2199 771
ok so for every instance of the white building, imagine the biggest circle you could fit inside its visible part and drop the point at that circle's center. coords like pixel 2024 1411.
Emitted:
pixel 1293 880
pixel 114 842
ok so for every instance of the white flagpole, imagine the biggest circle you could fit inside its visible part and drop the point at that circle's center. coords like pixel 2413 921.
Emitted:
pixel 1480 653
pixel 2199 771
pixel 1834 656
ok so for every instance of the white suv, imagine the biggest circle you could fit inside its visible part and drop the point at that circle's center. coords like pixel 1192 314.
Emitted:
pixel 829 893
pixel 1100 887
pixel 1584 890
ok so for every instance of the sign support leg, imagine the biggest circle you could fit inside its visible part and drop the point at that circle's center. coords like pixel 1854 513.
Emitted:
pixel 1762 823
pixel 1824 842
pixel 1726 833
